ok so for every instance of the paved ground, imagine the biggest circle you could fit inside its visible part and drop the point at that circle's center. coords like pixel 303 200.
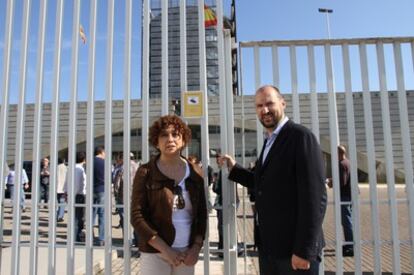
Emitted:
pixel 250 262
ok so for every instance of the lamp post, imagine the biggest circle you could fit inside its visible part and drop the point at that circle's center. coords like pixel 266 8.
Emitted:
pixel 327 12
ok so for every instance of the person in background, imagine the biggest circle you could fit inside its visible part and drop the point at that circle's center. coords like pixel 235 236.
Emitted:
pixel 116 167
pixel 118 180
pixel 11 185
pixel 80 194
pixel 99 192
pixel 44 181
pixel 61 198
pixel 168 207
pixel 345 194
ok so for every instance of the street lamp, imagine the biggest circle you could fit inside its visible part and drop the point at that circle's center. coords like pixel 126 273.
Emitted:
pixel 327 12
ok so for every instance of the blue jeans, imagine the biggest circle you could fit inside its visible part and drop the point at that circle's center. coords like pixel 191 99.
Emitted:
pixel 61 208
pixel 99 198
pixel 10 188
pixel 346 219
pixel 272 266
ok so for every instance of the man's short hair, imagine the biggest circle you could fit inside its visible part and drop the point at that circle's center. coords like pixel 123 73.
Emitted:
pixel 80 157
pixel 342 149
pixel 99 150
pixel 264 87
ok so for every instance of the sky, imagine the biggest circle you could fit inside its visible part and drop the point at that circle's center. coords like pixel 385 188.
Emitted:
pixel 256 20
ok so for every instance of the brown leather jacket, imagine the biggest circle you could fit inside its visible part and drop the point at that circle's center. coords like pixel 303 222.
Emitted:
pixel 152 204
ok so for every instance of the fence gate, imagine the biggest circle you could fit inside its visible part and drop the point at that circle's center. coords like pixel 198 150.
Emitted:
pixel 352 92
pixel 57 104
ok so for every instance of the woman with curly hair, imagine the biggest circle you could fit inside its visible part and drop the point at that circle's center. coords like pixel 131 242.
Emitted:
pixel 168 208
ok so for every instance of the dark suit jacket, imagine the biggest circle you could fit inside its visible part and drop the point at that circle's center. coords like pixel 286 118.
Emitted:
pixel 290 194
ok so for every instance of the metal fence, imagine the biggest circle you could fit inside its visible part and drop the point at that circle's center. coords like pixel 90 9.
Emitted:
pixel 309 115
pixel 357 126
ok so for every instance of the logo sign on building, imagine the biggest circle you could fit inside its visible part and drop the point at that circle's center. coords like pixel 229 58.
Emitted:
pixel 193 104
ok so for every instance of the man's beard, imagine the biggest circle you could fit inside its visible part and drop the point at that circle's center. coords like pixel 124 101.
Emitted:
pixel 271 124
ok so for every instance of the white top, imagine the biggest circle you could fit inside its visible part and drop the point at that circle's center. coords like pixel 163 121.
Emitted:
pixel 61 170
pixel 10 177
pixel 182 218
pixel 80 180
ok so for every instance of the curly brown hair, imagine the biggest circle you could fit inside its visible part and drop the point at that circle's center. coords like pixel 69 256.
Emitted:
pixel 163 123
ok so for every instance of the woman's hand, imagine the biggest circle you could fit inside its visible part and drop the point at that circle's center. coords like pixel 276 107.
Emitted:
pixel 192 255
pixel 173 257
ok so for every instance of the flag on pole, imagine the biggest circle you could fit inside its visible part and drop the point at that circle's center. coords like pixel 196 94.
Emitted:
pixel 82 34
pixel 210 18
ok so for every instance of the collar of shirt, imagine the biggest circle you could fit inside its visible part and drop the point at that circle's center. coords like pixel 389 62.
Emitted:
pixel 270 139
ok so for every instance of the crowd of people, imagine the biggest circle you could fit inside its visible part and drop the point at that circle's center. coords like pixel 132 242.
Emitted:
pixel 169 206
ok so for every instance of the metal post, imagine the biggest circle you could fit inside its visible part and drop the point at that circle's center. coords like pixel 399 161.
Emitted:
pixel 90 137
pixel 72 126
pixel 15 260
pixel 108 140
pixel 257 81
pixel 405 136
pixel 232 188
pixel 164 57
pixel 127 138
pixel 372 175
pixel 205 146
pixel 353 158
pixel 145 79
pixel 313 94
pixel 275 66
pixel 36 140
pixel 294 78
pixel 5 85
pixel 183 59
pixel 334 142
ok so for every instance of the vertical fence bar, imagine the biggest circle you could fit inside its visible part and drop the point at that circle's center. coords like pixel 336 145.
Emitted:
pixel 334 141
pixel 183 59
pixel 294 87
pixel 145 78
pixel 372 175
pixel 90 134
pixel 72 128
pixel 353 158
pixel 232 188
pixel 257 81
pixel 37 140
pixel 5 85
pixel 312 89
pixel 108 140
pixel 275 66
pixel 52 183
pixel 127 138
pixel 20 140
pixel 223 135
pixel 314 112
pixel 90 140
pixel 205 146
pixel 405 136
pixel 243 142
pixel 386 125
pixel 164 57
